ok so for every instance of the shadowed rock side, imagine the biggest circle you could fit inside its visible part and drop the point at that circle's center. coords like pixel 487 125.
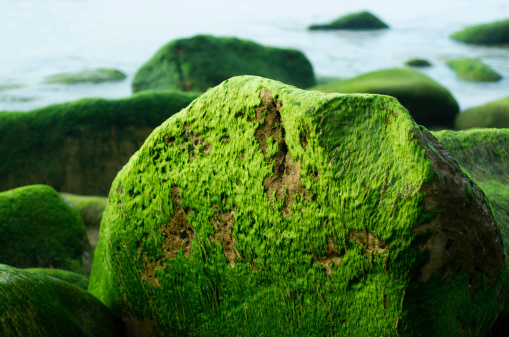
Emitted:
pixel 204 61
pixel 79 147
pixel 38 229
pixel 300 214
pixel 39 305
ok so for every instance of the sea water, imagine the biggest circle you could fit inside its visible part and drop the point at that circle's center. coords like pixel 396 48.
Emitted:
pixel 39 38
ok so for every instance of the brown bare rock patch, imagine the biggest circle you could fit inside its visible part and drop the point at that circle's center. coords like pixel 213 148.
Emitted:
pixel 223 224
pixel 333 256
pixel 149 272
pixel 286 172
pixel 465 238
pixel 195 141
pixel 370 243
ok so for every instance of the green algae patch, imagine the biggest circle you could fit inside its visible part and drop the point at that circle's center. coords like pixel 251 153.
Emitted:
pixel 91 209
pixel 265 210
pixel 356 21
pixel 419 63
pixel 39 229
pixel 429 103
pixel 488 34
pixel 79 147
pixel 471 69
pixel 75 279
pixel 492 115
pixel 87 76
pixel 204 61
pixel 40 305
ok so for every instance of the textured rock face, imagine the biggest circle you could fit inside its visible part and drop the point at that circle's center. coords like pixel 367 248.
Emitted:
pixel 39 305
pixel 262 209
pixel 429 103
pixel 203 61
pixel 79 147
pixel 39 229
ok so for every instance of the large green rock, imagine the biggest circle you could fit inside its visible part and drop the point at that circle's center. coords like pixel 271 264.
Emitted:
pixel 265 210
pixel 356 21
pixel 39 229
pixel 490 33
pixel 203 61
pixel 91 76
pixel 79 147
pixel 429 103
pixel 471 69
pixel 73 278
pixel 492 115
pixel 39 305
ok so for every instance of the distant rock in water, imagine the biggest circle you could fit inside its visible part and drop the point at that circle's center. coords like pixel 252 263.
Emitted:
pixel 93 76
pixel 203 61
pixel 418 63
pixel 488 34
pixel 262 209
pixel 38 229
pixel 429 103
pixel 492 115
pixel 39 305
pixel 471 69
pixel 79 147
pixel 355 21
pixel 75 279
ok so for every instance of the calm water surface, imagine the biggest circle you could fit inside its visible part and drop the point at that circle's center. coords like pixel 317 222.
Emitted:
pixel 39 38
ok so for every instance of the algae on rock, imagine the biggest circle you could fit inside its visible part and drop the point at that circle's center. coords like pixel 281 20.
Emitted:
pixel 39 305
pixel 262 209
pixel 418 63
pixel 73 278
pixel 204 61
pixel 429 103
pixel 492 115
pixel 92 76
pixel 489 33
pixel 356 21
pixel 79 147
pixel 471 69
pixel 39 229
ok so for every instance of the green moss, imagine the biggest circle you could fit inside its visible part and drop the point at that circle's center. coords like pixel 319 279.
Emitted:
pixel 39 229
pixel 492 115
pixel 490 34
pixel 355 21
pixel 75 279
pixel 418 63
pixel 473 70
pixel 93 76
pixel 203 61
pixel 79 147
pixel 91 209
pixel 39 305
pixel 429 103
pixel 206 234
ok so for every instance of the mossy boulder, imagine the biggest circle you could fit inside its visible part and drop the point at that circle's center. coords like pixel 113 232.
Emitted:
pixel 420 63
pixel 356 21
pixel 92 76
pixel 262 209
pixel 79 147
pixel 78 280
pixel 91 209
pixel 429 103
pixel 489 34
pixel 492 115
pixel 203 61
pixel 39 229
pixel 39 305
pixel 471 69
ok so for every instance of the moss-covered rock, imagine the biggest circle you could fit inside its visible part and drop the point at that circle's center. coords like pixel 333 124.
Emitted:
pixel 91 209
pixel 420 63
pixel 429 103
pixel 93 76
pixel 355 21
pixel 262 209
pixel 203 61
pixel 79 147
pixel 78 280
pixel 490 33
pixel 492 115
pixel 39 305
pixel 39 229
pixel 471 69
